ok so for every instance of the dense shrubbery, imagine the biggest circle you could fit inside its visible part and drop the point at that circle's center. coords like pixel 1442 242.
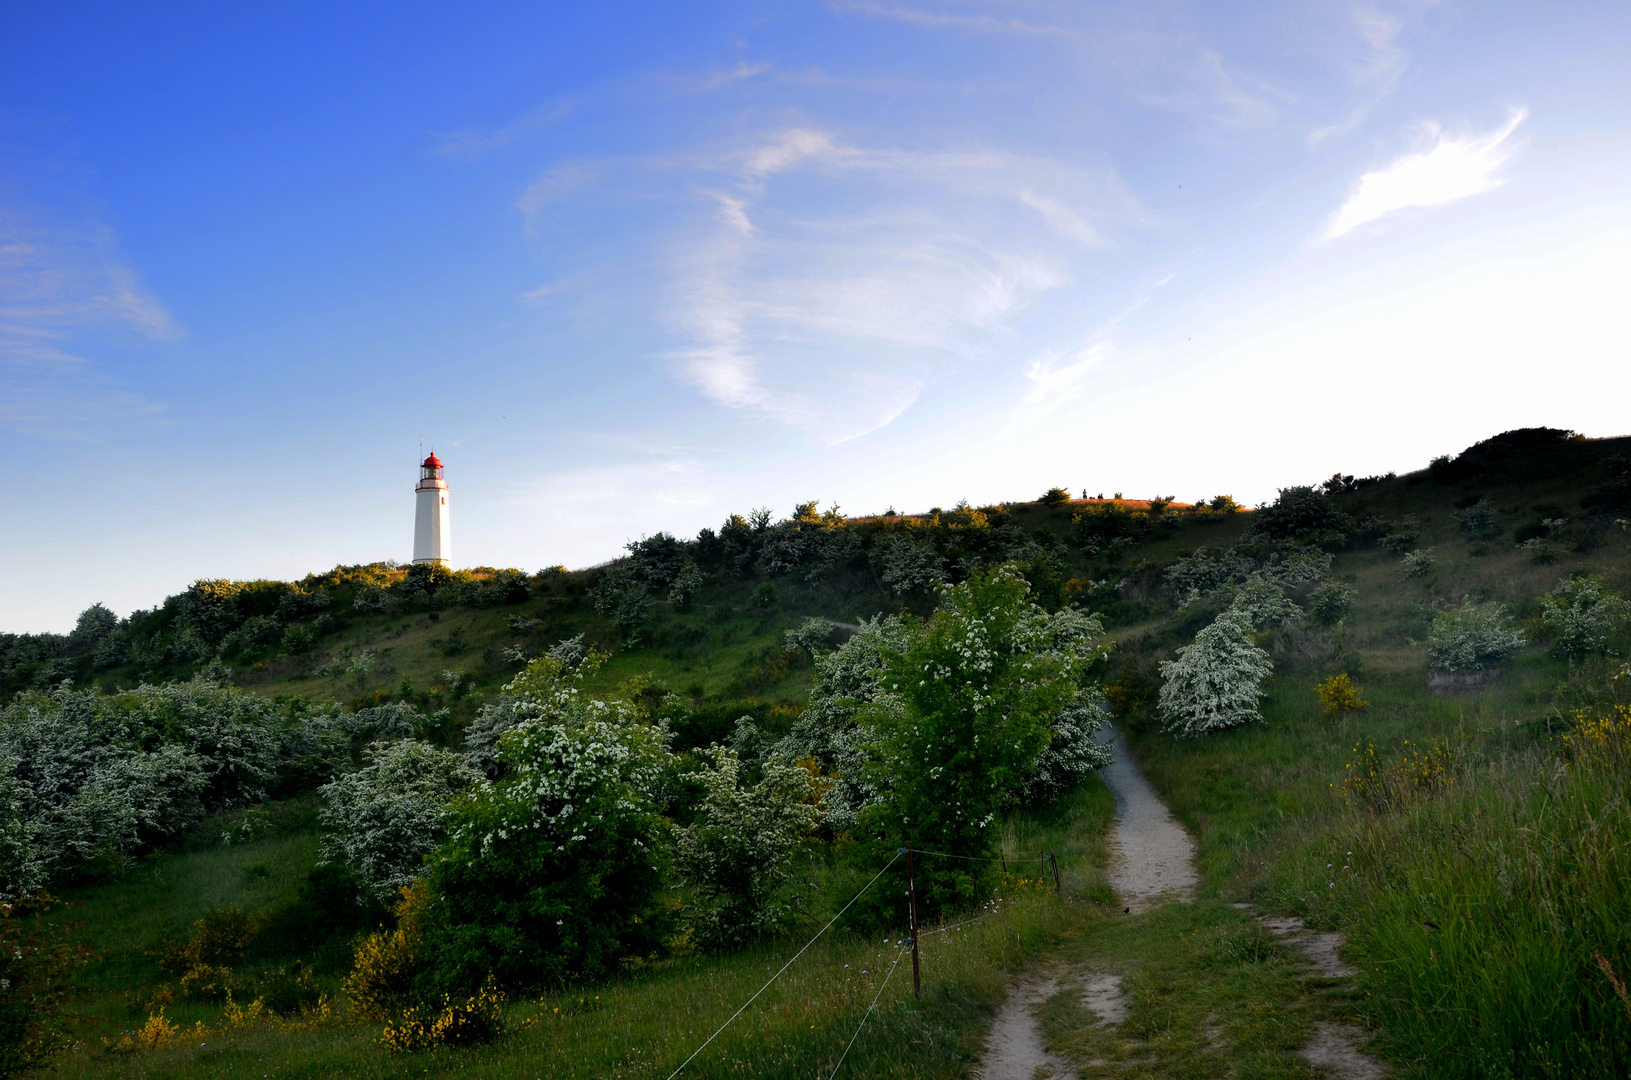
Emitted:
pixel 383 819
pixel 1472 637
pixel 738 850
pixel 216 619
pixel 555 871
pixel 1583 617
pixel 1303 514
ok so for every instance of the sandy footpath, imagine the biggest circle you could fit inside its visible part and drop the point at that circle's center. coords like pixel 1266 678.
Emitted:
pixel 1153 863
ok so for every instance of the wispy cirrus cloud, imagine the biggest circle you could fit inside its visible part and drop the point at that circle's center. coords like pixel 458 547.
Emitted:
pixel 837 278
pixel 718 80
pixel 1374 73
pixel 472 141
pixel 59 283
pixel 1173 70
pixel 1051 379
pixel 1454 167
pixel 943 19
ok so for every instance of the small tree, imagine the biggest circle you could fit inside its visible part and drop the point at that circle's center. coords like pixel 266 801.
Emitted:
pixel 738 853
pixel 1584 616
pixel 1055 496
pixel 1472 637
pixel 969 704
pixel 1478 521
pixel 1216 682
pixel 387 816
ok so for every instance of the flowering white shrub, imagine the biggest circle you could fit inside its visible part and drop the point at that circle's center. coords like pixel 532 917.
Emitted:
pixel 22 872
pixel 1072 753
pixel 549 688
pixel 846 680
pixel 392 720
pixel 383 819
pixel 908 564
pixel 1472 637
pixel 1216 682
pixel 1584 615
pixel 1263 602
pixel 1331 601
pixel 812 635
pixel 97 778
pixel 1209 572
pixel 1205 572
pixel 738 852
pixel 685 584
pixel 1478 521
pixel 623 598
pixel 1298 566
pixel 1419 563
pixel 555 871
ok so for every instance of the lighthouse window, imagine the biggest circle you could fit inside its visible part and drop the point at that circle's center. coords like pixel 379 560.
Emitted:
pixel 444 500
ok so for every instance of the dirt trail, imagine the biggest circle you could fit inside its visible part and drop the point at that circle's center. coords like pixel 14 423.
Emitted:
pixel 1153 863
pixel 1015 1049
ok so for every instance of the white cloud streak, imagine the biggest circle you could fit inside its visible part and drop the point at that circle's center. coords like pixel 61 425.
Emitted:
pixel 832 321
pixel 59 282
pixel 1454 168
pixel 471 141
pixel 718 80
pixel 1374 74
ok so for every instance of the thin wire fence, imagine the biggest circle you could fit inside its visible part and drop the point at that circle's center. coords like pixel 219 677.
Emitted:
pixel 900 951
pixel 784 967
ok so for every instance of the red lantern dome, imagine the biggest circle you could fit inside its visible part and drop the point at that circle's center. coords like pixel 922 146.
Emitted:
pixel 432 462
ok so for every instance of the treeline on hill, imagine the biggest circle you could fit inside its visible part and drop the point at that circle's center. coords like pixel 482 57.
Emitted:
pixel 897 559
pixel 565 827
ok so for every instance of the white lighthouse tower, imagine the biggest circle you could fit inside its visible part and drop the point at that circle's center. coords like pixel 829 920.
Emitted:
pixel 432 528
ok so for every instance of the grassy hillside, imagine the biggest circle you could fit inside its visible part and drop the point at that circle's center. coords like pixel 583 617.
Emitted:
pixel 1418 867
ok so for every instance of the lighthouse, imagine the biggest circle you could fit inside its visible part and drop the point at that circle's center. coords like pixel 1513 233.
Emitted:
pixel 432 530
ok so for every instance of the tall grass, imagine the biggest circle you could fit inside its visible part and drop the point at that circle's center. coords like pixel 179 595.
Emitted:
pixel 1487 906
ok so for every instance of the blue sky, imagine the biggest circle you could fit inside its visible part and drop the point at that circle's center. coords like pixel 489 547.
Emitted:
pixel 632 267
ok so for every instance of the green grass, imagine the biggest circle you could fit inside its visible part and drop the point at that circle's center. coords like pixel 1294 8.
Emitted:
pixel 644 1023
pixel 1208 993
pixel 1474 909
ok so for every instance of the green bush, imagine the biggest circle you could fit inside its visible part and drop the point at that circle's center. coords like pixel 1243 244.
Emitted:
pixel 1332 601
pixel 1478 521
pixel 1472 637
pixel 554 872
pixel 288 991
pixel 738 850
pixel 1583 616
pixel 1418 564
pixel 1305 514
